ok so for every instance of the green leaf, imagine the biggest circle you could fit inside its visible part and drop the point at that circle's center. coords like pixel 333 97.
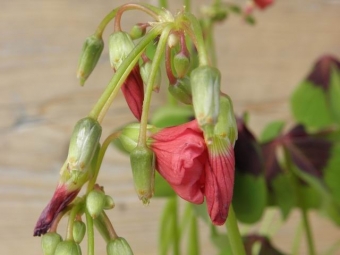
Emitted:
pixel 309 106
pixel 332 172
pixel 162 187
pixel 250 197
pixel 271 131
pixel 334 94
pixel 170 115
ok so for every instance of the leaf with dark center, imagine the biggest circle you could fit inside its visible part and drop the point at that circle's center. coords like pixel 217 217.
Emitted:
pixel 266 247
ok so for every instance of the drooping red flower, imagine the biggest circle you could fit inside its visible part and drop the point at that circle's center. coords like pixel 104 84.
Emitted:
pixel 262 4
pixel 133 90
pixel 196 170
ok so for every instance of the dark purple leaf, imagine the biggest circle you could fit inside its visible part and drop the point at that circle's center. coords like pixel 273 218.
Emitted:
pixel 266 247
pixel 271 165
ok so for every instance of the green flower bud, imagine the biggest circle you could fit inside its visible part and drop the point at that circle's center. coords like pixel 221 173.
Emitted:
pixel 68 248
pixel 145 71
pixel 205 86
pixel 118 246
pixel 92 49
pixel 109 203
pixel 226 126
pixel 83 145
pixel 79 229
pixel 181 90
pixel 143 169
pixel 181 64
pixel 129 135
pixel 137 31
pixel 120 46
pixel 95 202
pixel 173 40
pixel 49 242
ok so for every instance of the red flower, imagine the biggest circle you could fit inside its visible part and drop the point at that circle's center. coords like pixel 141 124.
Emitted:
pixel 195 170
pixel 133 90
pixel 263 3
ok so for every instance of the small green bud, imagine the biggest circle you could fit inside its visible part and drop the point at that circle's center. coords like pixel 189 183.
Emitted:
pixel 205 85
pixel 91 51
pixel 181 90
pixel 68 248
pixel 49 242
pixel 95 202
pixel 137 31
pixel 83 145
pixel 143 170
pixel 109 203
pixel 118 246
pixel 181 64
pixel 79 229
pixel 145 71
pixel 129 135
pixel 226 126
pixel 120 46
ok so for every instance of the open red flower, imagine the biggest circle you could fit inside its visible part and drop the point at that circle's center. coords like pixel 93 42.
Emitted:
pixel 262 4
pixel 195 169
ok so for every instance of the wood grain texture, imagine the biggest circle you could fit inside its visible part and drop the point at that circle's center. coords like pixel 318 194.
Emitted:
pixel 40 101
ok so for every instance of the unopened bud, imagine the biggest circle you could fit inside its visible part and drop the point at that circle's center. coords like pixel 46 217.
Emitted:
pixel 181 90
pixel 118 246
pixel 143 170
pixel 226 126
pixel 205 86
pixel 79 229
pixel 68 248
pixel 173 40
pixel 181 64
pixel 95 202
pixel 109 203
pixel 145 71
pixel 49 242
pixel 91 51
pixel 83 145
pixel 137 31
pixel 120 46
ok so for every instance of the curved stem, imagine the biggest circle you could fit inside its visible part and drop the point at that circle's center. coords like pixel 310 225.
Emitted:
pixel 90 234
pixel 168 66
pixel 108 224
pixel 99 110
pixel 105 21
pixel 151 80
pixel 75 209
pixel 234 236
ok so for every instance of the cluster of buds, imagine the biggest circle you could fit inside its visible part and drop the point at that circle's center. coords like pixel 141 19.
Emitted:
pixel 196 157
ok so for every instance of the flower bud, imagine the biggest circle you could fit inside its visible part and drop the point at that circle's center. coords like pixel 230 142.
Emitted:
pixel 109 203
pixel 129 136
pixel 120 46
pixel 173 40
pixel 137 31
pixel 79 229
pixel 83 145
pixel 143 169
pixel 95 202
pixel 205 86
pixel 68 248
pixel 181 64
pixel 181 90
pixel 226 126
pixel 118 246
pixel 145 71
pixel 92 49
pixel 49 242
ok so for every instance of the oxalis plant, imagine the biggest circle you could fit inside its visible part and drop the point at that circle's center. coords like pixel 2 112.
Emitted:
pixel 194 147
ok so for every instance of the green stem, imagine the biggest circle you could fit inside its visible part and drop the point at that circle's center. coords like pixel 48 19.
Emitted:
pixel 300 203
pixel 104 227
pixel 193 246
pixel 187 4
pixel 297 239
pixel 99 110
pixel 176 247
pixel 105 21
pixel 75 209
pixel 234 236
pixel 163 3
pixel 165 230
pixel 151 80
pixel 90 234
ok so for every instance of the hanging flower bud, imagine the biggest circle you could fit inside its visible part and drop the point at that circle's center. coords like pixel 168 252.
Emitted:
pixel 205 86
pixel 145 71
pixel 226 126
pixel 181 64
pixel 83 145
pixel 120 46
pixel 143 169
pixel 79 229
pixel 181 90
pixel 49 242
pixel 173 40
pixel 95 202
pixel 137 31
pixel 109 203
pixel 68 248
pixel 92 49
pixel 118 246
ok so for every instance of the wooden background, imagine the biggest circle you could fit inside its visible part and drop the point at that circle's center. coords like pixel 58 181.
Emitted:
pixel 40 101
